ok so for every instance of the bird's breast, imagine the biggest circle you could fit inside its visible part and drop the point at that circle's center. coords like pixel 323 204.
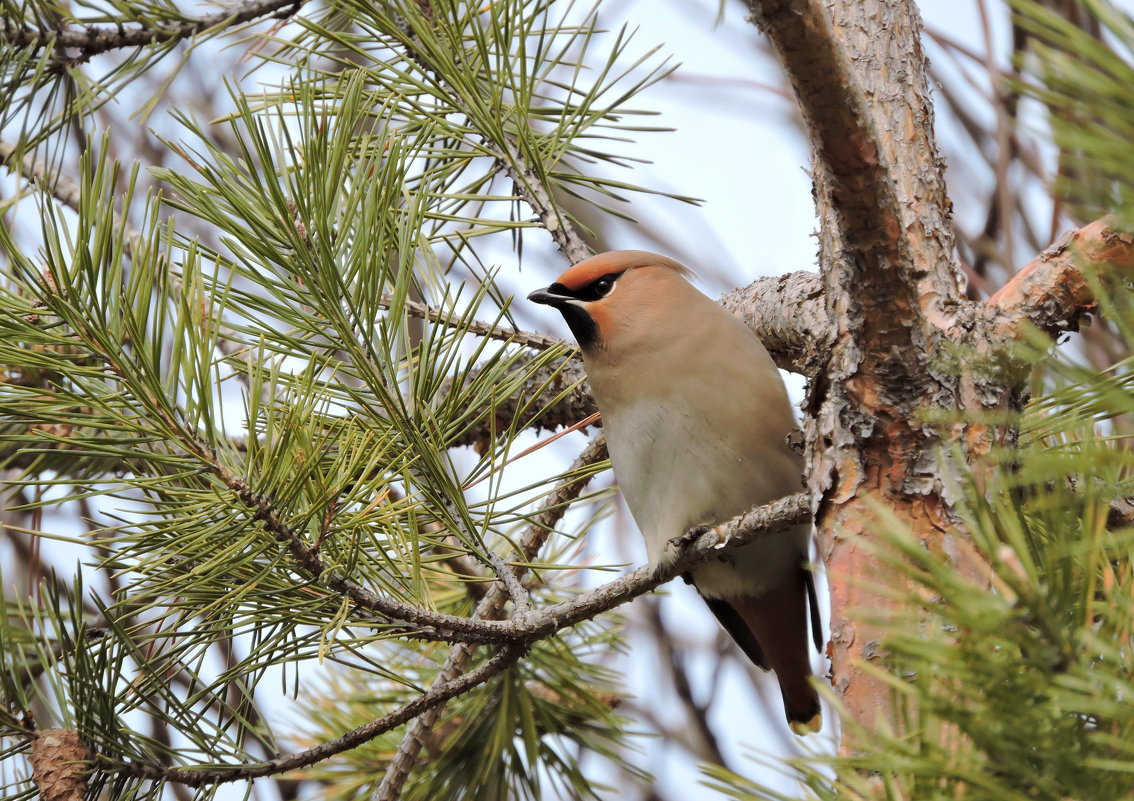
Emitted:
pixel 679 467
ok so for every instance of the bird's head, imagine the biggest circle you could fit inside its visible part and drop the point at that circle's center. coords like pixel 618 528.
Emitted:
pixel 614 299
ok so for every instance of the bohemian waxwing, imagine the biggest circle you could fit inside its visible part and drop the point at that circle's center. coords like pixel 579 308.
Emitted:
pixel 697 422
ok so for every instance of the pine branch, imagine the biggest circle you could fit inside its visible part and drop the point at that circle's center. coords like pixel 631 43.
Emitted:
pixel 789 315
pixel 432 625
pixel 532 191
pixel 438 694
pixel 517 634
pixel 507 575
pixel 66 191
pixel 491 607
pixel 525 179
pixel 551 381
pixel 422 622
pixel 696 545
pixel 95 39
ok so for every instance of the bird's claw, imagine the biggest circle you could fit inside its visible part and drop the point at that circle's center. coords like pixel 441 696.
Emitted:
pixel 689 537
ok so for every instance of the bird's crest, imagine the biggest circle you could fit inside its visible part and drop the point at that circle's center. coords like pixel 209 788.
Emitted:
pixel 590 270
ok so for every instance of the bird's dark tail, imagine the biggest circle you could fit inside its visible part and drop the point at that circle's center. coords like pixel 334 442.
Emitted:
pixel 776 620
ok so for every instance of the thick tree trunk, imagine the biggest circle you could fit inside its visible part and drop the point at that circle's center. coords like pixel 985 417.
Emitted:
pixel 891 289
pixel 893 315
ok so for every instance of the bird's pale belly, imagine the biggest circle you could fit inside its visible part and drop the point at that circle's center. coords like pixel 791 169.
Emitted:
pixel 667 479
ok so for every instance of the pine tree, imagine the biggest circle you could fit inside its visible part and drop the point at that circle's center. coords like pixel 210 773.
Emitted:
pixel 247 374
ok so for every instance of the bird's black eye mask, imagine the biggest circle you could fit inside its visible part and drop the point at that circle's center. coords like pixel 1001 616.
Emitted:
pixel 595 290
pixel 582 325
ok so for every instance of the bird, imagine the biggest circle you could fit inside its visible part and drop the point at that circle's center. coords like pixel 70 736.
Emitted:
pixel 697 423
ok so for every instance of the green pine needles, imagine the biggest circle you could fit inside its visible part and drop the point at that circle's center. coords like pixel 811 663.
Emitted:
pixel 238 401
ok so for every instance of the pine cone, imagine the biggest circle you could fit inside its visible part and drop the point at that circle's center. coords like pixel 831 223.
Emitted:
pixel 59 761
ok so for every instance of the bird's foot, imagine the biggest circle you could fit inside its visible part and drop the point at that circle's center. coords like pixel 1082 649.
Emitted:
pixel 689 537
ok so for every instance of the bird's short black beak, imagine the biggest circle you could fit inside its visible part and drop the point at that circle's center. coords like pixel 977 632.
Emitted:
pixel 581 323
pixel 548 297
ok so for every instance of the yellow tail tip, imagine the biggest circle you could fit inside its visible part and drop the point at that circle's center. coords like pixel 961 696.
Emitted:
pixel 805 727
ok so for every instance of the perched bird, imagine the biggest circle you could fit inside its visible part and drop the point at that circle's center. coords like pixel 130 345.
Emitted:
pixel 697 422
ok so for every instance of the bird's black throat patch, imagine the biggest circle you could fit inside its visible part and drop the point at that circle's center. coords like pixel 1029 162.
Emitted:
pixel 582 325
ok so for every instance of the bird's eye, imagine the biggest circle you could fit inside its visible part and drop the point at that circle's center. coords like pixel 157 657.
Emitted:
pixel 598 288
pixel 604 286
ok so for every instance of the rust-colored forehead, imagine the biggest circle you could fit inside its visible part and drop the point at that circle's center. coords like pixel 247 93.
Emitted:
pixel 614 261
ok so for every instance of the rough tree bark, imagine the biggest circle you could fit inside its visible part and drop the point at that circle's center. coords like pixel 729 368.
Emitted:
pixel 890 286
pixel 877 327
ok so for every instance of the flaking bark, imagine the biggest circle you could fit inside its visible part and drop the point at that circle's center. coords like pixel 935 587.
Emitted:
pixel 882 353
pixel 889 280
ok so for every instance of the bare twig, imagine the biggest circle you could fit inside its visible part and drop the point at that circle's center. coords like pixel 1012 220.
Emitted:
pixel 476 327
pixel 693 547
pixel 511 582
pixel 90 40
pixel 694 729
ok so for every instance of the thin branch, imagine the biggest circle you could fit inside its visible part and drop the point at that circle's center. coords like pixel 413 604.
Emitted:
pixel 476 327
pixel 694 730
pixel 694 546
pixel 90 40
pixel 390 789
pixel 531 190
pixel 1049 292
pixel 438 694
pixel 431 625
pixel 511 582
